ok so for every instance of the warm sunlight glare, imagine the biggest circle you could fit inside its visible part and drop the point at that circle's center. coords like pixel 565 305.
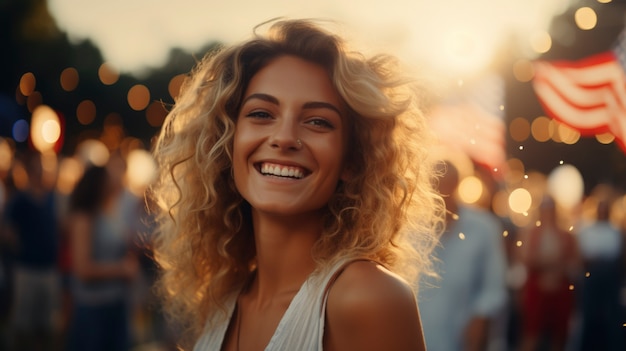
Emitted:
pixel 456 36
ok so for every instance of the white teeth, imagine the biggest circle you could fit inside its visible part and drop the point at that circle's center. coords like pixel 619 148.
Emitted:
pixel 281 171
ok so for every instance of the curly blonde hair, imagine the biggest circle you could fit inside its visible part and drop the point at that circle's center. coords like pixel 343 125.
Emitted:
pixel 388 211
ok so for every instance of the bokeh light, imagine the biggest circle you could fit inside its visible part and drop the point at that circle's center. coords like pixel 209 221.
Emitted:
pixel 6 155
pixel 45 128
pixel 19 176
pixel 51 131
pixel 20 130
pixel 70 171
pixel 27 83
pixel 586 18
pixel 565 184
pixel 541 129
pixel 175 84
pixel 520 200
pixel 554 128
pixel 94 152
pixel 86 112
pixel 69 79
pixel 470 189
pixel 107 74
pixel 140 171
pixel 568 135
pixel 541 42
pixel 155 114
pixel 605 138
pixel 500 203
pixel 519 129
pixel 138 97
pixel 523 70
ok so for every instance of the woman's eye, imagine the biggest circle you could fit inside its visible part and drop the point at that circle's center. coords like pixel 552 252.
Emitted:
pixel 259 114
pixel 321 123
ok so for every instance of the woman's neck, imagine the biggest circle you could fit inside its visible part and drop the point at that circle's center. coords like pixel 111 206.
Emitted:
pixel 283 247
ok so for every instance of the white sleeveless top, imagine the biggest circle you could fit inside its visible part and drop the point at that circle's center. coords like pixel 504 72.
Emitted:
pixel 302 325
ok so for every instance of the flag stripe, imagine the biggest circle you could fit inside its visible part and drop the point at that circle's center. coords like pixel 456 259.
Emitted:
pixel 589 121
pixel 576 95
pixel 588 95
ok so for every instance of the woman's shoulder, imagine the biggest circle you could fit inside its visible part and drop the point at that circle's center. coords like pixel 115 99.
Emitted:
pixel 370 304
pixel 368 281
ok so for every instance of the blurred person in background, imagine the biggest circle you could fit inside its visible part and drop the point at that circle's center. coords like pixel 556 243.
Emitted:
pixel 459 308
pixel 602 250
pixel 547 300
pixel 152 323
pixel 31 224
pixel 103 260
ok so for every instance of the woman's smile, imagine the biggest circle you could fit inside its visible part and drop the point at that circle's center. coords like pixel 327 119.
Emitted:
pixel 289 145
pixel 282 171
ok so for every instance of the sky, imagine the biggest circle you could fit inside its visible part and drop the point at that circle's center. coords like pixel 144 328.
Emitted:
pixel 457 36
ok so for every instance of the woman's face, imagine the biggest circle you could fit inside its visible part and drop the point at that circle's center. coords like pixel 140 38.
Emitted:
pixel 289 145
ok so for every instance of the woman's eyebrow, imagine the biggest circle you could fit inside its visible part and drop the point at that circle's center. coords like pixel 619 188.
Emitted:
pixel 306 105
pixel 321 104
pixel 260 96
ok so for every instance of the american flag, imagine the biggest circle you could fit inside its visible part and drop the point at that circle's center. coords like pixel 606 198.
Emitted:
pixel 471 120
pixel 588 95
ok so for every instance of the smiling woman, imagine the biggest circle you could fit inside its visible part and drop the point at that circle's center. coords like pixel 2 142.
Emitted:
pixel 289 122
pixel 295 198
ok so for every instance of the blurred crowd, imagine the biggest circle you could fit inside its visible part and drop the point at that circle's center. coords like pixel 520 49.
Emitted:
pixel 75 266
pixel 76 271
pixel 557 283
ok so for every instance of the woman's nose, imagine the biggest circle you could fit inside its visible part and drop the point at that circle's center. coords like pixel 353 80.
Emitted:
pixel 285 135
